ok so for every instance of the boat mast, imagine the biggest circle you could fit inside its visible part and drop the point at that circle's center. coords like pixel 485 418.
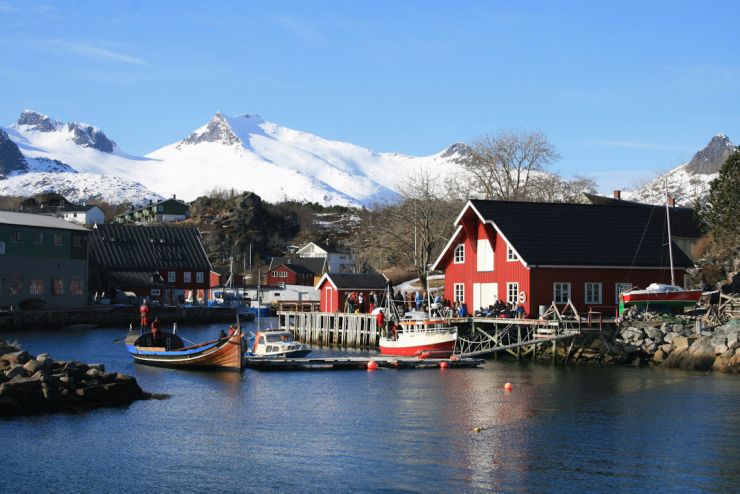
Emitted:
pixel 259 297
pixel 670 246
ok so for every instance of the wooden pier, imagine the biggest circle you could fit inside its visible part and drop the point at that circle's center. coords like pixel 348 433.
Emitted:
pixel 334 329
pixel 347 363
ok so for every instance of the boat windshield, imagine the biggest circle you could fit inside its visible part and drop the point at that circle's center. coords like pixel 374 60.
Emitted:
pixel 279 337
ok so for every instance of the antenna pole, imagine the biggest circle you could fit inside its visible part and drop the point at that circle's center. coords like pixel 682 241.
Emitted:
pixel 670 246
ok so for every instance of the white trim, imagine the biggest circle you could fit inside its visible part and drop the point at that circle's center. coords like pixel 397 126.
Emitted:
pixel 444 251
pixel 454 292
pixel 570 291
pixel 585 292
pixel 510 249
pixel 454 253
pixel 516 298
pixel 321 281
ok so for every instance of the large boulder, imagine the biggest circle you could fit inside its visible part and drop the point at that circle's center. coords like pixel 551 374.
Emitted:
pixel 684 360
pixel 33 366
pixel 729 364
pixel 653 333
pixel 20 357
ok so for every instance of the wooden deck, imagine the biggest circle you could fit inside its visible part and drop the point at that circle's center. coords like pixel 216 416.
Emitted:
pixel 347 363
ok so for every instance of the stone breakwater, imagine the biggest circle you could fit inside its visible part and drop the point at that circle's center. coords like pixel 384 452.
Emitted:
pixel 31 385
pixel 676 344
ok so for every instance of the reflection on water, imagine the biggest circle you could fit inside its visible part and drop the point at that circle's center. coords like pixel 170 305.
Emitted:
pixel 560 429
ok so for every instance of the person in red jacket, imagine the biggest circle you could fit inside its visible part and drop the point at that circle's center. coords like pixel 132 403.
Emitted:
pixel 144 312
pixel 381 322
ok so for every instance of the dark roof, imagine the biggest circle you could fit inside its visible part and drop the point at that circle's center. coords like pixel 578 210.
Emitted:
pixel 129 280
pixel 75 207
pixel 365 281
pixel 551 234
pixel 147 248
pixel 684 222
pixel 313 264
pixel 296 268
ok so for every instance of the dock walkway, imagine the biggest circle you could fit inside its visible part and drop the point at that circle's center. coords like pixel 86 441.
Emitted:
pixel 340 363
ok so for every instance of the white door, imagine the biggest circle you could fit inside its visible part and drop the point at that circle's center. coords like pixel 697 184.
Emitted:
pixel 484 294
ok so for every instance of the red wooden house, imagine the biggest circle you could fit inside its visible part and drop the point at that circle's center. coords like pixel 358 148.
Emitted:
pixel 334 288
pixel 290 274
pixel 539 253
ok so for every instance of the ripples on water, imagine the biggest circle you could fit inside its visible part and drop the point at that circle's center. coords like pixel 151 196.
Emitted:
pixel 561 429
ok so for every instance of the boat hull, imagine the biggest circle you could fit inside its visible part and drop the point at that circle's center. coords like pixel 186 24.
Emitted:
pixel 672 299
pixel 225 354
pixel 438 346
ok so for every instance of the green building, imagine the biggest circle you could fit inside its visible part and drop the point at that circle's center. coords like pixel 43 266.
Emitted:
pixel 165 211
pixel 43 262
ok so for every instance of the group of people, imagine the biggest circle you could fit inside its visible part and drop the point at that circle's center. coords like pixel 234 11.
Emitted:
pixel 144 320
pixel 359 303
pixel 502 309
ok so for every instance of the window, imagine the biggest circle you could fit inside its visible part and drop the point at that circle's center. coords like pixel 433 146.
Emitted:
pixel 2 248
pixel 187 277
pixel 58 239
pixel 154 292
pixel 593 293
pixel 485 255
pixel 619 288
pixel 560 293
pixel 75 286
pixel 459 254
pixel 283 274
pixel 459 290
pixel 199 277
pixel 76 240
pixel 16 285
pixel 274 274
pixel 57 286
pixel 510 254
pixel 36 287
pixel 512 293
pixel 38 238
pixel 17 236
pixel 170 276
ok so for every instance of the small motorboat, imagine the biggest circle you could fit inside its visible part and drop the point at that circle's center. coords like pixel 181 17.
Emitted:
pixel 277 343
pixel 168 350
pixel 661 295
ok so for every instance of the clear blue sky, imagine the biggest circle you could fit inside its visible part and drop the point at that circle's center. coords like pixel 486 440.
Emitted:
pixel 622 89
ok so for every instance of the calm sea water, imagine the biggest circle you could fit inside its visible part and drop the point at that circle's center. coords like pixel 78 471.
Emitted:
pixel 560 430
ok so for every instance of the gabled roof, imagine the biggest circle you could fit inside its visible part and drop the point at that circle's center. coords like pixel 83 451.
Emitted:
pixel 329 249
pixel 147 248
pixel 579 235
pixel 39 221
pixel 364 281
pixel 75 208
pixel 314 264
pixel 296 268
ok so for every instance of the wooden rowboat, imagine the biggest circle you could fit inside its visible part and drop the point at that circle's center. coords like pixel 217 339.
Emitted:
pixel 168 350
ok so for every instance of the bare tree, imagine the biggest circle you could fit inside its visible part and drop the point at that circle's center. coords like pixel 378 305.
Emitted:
pixel 550 187
pixel 502 165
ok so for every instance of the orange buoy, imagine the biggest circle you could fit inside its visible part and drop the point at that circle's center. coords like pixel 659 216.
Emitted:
pixel 372 365
pixel 508 387
pixel 443 365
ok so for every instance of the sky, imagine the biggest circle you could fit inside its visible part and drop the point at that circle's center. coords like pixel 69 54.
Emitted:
pixel 624 90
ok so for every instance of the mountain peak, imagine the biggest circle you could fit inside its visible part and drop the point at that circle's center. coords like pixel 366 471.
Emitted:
pixel 11 159
pixel 712 157
pixel 218 129
pixel 38 121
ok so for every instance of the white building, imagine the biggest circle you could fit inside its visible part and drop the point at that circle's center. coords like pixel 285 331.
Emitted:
pixel 83 215
pixel 337 260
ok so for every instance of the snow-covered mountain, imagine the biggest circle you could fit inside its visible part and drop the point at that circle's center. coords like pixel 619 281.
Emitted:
pixel 243 153
pixel 689 182
pixel 31 162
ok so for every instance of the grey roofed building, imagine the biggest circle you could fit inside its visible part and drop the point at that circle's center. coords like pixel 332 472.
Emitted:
pixel 317 265
pixel 38 221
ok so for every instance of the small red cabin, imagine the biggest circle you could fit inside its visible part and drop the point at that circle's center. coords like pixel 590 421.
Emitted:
pixel 539 253
pixel 290 274
pixel 334 288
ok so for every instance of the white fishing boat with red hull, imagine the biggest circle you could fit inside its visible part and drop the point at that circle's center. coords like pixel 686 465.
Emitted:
pixel 418 337
pixel 661 294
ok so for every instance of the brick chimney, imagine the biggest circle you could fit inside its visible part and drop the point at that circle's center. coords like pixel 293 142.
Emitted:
pixel 617 194
pixel 672 202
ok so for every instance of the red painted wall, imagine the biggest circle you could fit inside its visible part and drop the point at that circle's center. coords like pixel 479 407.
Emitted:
pixel 467 273
pixel 290 277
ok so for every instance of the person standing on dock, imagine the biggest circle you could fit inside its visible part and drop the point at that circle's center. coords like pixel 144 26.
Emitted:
pixel 381 322
pixel 418 299
pixel 155 330
pixel 144 313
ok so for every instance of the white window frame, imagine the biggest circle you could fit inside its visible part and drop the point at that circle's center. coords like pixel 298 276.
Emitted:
pixel 561 299
pixel 586 294
pixel 512 292
pixel 458 292
pixel 619 288
pixel 187 277
pixel 171 277
pixel 155 292
pixel 511 254
pixel 199 277
pixel 459 254
pixel 484 256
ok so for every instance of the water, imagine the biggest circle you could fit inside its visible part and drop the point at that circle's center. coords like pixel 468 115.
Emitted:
pixel 560 430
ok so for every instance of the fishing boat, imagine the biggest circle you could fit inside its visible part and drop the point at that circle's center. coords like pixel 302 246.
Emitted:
pixel 168 350
pixel 418 335
pixel 661 294
pixel 277 343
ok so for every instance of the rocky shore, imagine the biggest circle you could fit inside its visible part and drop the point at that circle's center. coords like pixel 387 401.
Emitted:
pixel 33 385
pixel 677 344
